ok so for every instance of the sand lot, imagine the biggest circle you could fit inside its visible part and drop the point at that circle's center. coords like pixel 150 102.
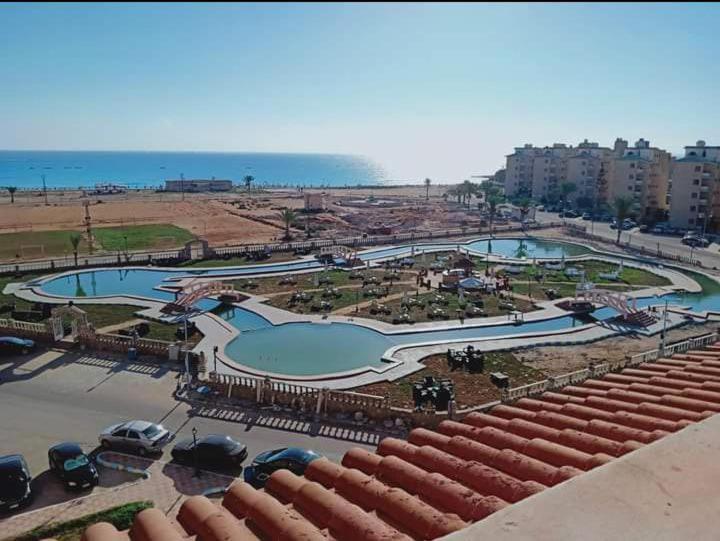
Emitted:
pixel 223 218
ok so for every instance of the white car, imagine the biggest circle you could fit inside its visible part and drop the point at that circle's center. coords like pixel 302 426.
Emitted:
pixel 142 437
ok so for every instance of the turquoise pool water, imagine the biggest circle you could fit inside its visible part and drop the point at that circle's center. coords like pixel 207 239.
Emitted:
pixel 303 349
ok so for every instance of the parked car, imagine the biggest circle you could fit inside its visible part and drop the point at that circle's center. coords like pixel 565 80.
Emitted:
pixel 12 345
pixel 695 241
pixel 644 228
pixel 72 466
pixel 15 483
pixel 587 216
pixel 613 224
pixel 142 437
pixel 265 464
pixel 628 224
pixel 569 214
pixel 212 451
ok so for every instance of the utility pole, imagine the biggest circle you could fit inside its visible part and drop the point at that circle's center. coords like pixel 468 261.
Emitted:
pixel 182 186
pixel 88 226
pixel 44 189
pixel 664 331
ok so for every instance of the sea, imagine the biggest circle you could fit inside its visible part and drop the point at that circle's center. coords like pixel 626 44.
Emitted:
pixel 85 169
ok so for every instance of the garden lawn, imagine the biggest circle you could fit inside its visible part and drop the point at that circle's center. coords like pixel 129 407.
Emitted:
pixel 27 245
pixel 470 389
pixel 141 237
pixel 276 257
pixel 420 314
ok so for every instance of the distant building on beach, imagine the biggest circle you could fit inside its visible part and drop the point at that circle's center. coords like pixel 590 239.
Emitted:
pixel 198 185
pixel 315 201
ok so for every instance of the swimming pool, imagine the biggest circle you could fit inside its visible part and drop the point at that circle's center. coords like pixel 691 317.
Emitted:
pixel 303 349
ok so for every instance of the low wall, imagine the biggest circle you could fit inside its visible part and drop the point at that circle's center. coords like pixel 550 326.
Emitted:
pixel 122 344
pixel 24 329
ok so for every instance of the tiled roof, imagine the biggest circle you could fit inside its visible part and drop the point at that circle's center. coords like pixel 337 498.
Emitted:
pixel 440 481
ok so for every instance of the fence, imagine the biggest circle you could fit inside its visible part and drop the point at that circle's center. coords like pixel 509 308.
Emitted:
pixel 662 250
pixel 25 329
pixel 122 344
pixel 174 256
pixel 595 370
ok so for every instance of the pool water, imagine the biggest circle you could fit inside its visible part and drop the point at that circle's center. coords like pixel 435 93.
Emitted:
pixel 304 349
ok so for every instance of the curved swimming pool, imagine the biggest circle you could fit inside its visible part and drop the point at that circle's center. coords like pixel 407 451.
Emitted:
pixel 304 349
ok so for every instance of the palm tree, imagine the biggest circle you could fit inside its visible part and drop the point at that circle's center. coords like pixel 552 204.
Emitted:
pixel 468 189
pixel 566 188
pixel 622 207
pixel 75 239
pixel 11 190
pixel 524 204
pixel 427 189
pixel 288 217
pixel 492 202
pixel 248 180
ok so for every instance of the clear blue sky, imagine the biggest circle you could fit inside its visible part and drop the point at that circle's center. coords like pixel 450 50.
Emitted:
pixel 436 90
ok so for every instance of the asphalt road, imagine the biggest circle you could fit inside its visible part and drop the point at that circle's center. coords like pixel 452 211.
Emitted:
pixel 671 244
pixel 52 397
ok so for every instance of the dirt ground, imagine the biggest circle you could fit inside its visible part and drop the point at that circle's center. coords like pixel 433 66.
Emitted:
pixel 555 361
pixel 234 217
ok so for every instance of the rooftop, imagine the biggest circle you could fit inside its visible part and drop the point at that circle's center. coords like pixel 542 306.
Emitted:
pixel 441 481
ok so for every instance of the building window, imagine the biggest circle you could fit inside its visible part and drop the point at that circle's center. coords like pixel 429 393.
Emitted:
pixel 694 195
pixel 696 181
pixel 630 188
pixel 632 166
pixel 691 221
pixel 698 168
pixel 631 177
pixel 692 209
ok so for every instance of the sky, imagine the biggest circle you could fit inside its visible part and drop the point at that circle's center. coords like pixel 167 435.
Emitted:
pixel 428 90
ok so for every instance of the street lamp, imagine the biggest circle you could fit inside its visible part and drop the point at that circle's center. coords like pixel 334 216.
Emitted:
pixel 662 335
pixel 195 453
pixel 215 352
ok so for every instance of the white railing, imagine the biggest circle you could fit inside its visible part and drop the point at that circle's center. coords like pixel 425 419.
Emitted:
pixel 23 325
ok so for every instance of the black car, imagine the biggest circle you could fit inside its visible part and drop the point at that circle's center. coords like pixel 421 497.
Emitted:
pixel 15 478
pixel 213 451
pixel 72 466
pixel 265 464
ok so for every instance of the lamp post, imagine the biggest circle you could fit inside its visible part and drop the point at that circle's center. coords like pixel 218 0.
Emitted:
pixel 662 335
pixel 215 352
pixel 195 455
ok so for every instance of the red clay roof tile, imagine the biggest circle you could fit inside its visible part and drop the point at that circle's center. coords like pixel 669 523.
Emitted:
pixel 440 480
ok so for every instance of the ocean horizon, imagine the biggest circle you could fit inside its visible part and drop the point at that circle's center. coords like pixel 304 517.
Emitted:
pixel 137 169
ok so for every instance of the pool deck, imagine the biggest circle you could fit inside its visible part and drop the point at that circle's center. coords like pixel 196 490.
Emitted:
pixel 401 360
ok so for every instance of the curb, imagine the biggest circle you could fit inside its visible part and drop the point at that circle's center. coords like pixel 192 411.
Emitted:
pixel 121 467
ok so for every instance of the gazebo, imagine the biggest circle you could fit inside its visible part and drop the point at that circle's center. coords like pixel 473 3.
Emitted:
pixel 471 283
pixel 463 262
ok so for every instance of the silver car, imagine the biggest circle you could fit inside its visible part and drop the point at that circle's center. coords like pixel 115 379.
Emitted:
pixel 140 436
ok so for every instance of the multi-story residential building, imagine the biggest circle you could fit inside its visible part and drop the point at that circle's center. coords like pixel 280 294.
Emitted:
pixel 695 191
pixel 643 174
pixel 600 174
pixel 540 172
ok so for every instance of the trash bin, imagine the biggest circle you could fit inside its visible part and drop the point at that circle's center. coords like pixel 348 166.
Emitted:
pixel 132 354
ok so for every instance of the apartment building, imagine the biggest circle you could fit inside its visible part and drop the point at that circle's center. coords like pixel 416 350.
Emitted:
pixel 642 172
pixel 695 190
pixel 538 172
pixel 599 173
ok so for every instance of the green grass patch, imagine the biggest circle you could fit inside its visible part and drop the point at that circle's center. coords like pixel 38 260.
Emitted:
pixel 141 237
pixel 38 244
pixel 102 315
pixel 236 261
pixel 121 517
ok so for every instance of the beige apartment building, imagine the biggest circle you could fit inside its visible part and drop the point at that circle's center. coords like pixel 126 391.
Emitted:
pixel 599 173
pixel 642 172
pixel 695 191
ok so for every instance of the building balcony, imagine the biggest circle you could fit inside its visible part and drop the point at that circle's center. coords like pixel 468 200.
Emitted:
pixel 704 188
